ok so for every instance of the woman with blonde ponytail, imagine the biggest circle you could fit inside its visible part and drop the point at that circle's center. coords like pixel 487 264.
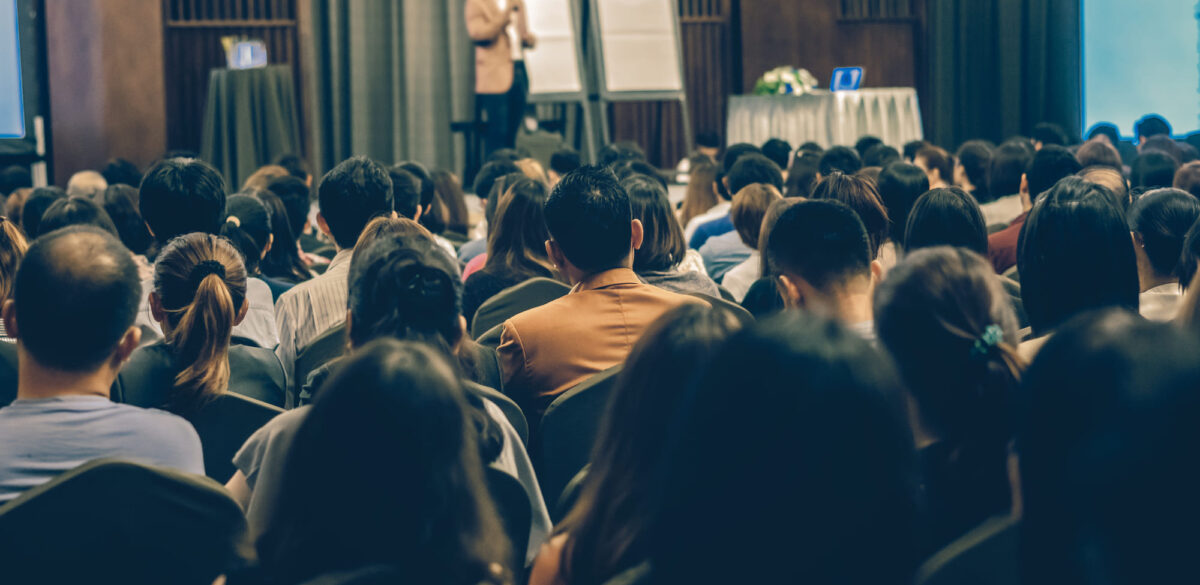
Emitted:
pixel 945 318
pixel 199 296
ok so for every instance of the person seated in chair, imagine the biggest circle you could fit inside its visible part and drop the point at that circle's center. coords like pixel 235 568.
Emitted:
pixel 593 237
pixel 72 311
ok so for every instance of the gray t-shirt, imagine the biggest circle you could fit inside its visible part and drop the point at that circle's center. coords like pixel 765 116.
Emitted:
pixel 40 439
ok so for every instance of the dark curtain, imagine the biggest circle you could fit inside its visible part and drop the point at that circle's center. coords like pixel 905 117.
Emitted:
pixel 997 67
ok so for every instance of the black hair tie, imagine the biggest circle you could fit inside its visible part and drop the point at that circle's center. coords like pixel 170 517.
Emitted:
pixel 203 269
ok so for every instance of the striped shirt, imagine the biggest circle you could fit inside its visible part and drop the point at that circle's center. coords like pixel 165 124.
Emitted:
pixel 310 309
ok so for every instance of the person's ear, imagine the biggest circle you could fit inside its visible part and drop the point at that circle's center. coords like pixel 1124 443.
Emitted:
pixel 349 327
pixel 157 312
pixel 792 297
pixel 9 313
pixel 876 271
pixel 270 242
pixel 241 314
pixel 1024 189
pixel 149 229
pixel 462 332
pixel 417 214
pixel 725 181
pixel 556 256
pixel 323 225
pixel 638 233
pixel 129 342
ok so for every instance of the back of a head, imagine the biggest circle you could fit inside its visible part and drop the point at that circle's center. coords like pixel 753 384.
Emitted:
pixel 78 280
pixel 1153 169
pixel 861 196
pixel 1160 221
pixel 778 151
pixel 1050 134
pixel 450 193
pixel 663 246
pixel 181 196
pixel 296 198
pixel 200 285
pixel 975 156
pixel 1048 166
pixel 802 177
pixel 899 185
pixel 946 217
pixel 732 154
pixel 1074 255
pixel 1099 153
pixel 1110 178
pixel 489 173
pixel 936 158
pixel 862 145
pixel 16 202
pixel 431 215
pixel 352 194
pixel 822 241
pixel 406 191
pixel 633 167
pixel 517 234
pixel 119 202
pixel 14 177
pixel 1104 447
pixel 248 226
pixel 945 318
pixel 911 148
pixel 1009 162
pixel 565 160
pixel 619 151
pixel 1105 131
pixel 749 208
pixel 751 169
pixel 404 286
pixel 1164 144
pixel 1150 126
pixel 1187 178
pixel 880 155
pixel 296 166
pixel 75 211
pixel 839 158
pixel 35 207
pixel 405 399
pixel 827 469
pixel 589 216
pixel 263 177
pixel 86 184
pixel 12 249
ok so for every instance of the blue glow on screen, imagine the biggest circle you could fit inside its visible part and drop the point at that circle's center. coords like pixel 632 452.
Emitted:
pixel 12 114
pixel 1141 57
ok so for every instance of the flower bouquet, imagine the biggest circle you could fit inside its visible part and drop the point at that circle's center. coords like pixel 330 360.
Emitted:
pixel 785 80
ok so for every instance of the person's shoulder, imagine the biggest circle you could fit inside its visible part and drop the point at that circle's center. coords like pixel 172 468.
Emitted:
pixel 152 423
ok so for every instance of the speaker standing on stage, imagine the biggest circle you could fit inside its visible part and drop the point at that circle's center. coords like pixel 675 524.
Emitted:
pixel 500 30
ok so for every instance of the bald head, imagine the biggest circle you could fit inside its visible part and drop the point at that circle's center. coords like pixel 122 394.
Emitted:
pixel 76 295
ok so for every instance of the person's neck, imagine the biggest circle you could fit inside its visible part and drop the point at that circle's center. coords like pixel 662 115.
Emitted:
pixel 850 302
pixel 1152 280
pixel 36 381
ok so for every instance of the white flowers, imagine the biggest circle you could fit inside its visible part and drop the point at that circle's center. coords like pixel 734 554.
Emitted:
pixel 785 80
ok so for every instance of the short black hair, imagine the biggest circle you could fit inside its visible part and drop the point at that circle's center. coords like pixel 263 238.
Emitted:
pixel 1049 133
pixel 295 164
pixel 489 173
pixel 912 147
pixel 975 156
pixel 1048 166
pixel 1164 144
pixel 406 191
pixel 779 151
pixel 75 211
pixel 119 171
pixel 296 198
pixel 76 293
pixel 946 217
pixel 839 158
pixel 633 167
pixel 248 227
pixel 35 207
pixel 180 196
pixel 351 195
pixel 812 147
pixel 1105 129
pixel 1162 218
pixel 880 155
pixel 866 143
pixel 119 202
pixel 1151 125
pixel 619 151
pixel 708 140
pixel 900 185
pixel 565 160
pixel 424 180
pixel 732 154
pixel 822 241
pixel 1153 169
pixel 589 215
pixel 13 178
pixel 1009 162
pixel 751 169
pixel 1074 255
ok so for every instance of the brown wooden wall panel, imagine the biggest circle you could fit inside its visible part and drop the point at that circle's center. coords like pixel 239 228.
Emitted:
pixel 193 31
pixel 706 36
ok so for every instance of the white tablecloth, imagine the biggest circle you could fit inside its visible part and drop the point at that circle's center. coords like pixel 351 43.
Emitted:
pixel 827 118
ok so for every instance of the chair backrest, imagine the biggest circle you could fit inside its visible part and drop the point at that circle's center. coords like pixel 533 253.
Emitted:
pixel 733 308
pixel 516 513
pixel 510 409
pixel 568 431
pixel 224 425
pixel 514 300
pixel 118 522
pixel 8 373
pixel 987 555
pixel 324 349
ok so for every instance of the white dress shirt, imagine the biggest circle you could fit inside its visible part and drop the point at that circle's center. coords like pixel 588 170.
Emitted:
pixel 740 278
pixel 1161 302
pixel 1002 211
pixel 310 309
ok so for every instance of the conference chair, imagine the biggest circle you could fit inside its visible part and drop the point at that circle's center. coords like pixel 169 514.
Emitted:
pixel 568 431
pixel 510 409
pixel 513 300
pixel 373 575
pixel 738 312
pixel 118 522
pixel 987 555
pixel 515 511
pixel 325 348
pixel 224 425
pixel 639 575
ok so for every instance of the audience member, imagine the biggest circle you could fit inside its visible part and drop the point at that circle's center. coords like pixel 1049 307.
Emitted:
pixel 1110 178
pixel 900 185
pixel 763 298
pixel 1153 169
pixel 36 205
pixel 75 211
pixel 120 203
pixel 1107 418
pixel 1048 166
pixel 946 217
pixel 1075 255
pixel 484 181
pixel 861 196
pixel 725 252
pixel 821 252
pixel 947 322
pixel 86 184
pixel 1160 221
pixel 248 227
pixel 618 151
pixel 119 171
pixel 500 188
pixel 1049 134
pixel 664 260
pixel 79 280
pixel 449 191
pixel 607 530
pixel 630 168
pixel 282 266
pixel 1009 163
pixel 911 148
pixel 937 164
pixel 701 193
pixel 199 295
pixel 1187 178
pixel 296 166
pixel 431 214
pixel 593 237
pixel 720 211
pixel 750 169
pixel 14 177
pixel 264 176
pixel 802 176
pixel 563 161
pixel 779 152
pixel 971 164
pixel 351 195
pixel 516 246
pixel 1105 132
pixel 1164 144
pixel 865 143
pixel 838 159
pixel 880 155
pixel 830 458
pixel 12 250
pixel 751 208
pixel 15 203
pixel 1099 153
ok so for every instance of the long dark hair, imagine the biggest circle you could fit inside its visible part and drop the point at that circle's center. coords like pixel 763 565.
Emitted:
pixel 248 226
pixel 450 193
pixel 946 217
pixel 663 246
pixel 283 259
pixel 517 236
pixel 1161 219
pixel 607 527
pixel 425 512
pixel 120 202
pixel 900 185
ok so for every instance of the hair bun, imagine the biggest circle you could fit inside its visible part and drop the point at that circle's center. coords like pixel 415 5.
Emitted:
pixel 203 269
